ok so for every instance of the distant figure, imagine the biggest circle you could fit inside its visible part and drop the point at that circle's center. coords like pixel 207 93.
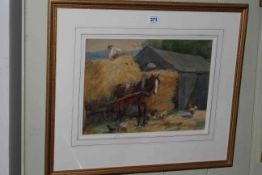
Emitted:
pixel 113 52
pixel 192 109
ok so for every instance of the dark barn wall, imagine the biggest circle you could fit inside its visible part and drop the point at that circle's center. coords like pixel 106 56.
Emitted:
pixel 200 94
pixel 193 89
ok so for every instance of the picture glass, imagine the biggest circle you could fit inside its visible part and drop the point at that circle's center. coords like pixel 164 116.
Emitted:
pixel 143 85
pixel 124 86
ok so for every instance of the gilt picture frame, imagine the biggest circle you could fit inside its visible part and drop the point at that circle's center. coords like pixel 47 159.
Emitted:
pixel 138 86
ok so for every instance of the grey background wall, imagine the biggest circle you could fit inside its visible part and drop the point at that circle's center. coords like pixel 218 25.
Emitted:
pixel 4 86
pixel 255 164
pixel 10 86
pixel 248 138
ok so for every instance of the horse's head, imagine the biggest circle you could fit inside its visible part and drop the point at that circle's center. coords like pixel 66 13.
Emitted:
pixel 152 84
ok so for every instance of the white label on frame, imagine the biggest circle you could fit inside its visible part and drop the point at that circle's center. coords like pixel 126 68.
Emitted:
pixel 153 19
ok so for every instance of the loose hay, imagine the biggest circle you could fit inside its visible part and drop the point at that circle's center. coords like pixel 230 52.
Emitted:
pixel 180 122
pixel 101 76
pixel 171 123
pixel 162 101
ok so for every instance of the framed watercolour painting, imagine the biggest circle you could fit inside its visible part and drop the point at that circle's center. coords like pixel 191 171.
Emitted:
pixel 142 86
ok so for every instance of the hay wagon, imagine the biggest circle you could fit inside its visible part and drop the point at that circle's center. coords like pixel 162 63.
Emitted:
pixel 110 108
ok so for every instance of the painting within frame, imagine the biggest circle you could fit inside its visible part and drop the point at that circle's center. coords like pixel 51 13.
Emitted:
pixel 134 81
pixel 132 85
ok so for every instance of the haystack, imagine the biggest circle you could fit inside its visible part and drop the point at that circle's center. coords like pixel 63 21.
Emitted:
pixel 101 76
pixel 162 101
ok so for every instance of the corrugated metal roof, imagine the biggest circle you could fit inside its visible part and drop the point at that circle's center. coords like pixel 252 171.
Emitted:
pixel 180 62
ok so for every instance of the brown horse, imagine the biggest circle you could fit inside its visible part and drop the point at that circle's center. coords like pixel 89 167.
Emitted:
pixel 135 95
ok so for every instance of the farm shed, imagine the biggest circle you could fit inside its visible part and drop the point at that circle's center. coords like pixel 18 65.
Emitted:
pixel 193 74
